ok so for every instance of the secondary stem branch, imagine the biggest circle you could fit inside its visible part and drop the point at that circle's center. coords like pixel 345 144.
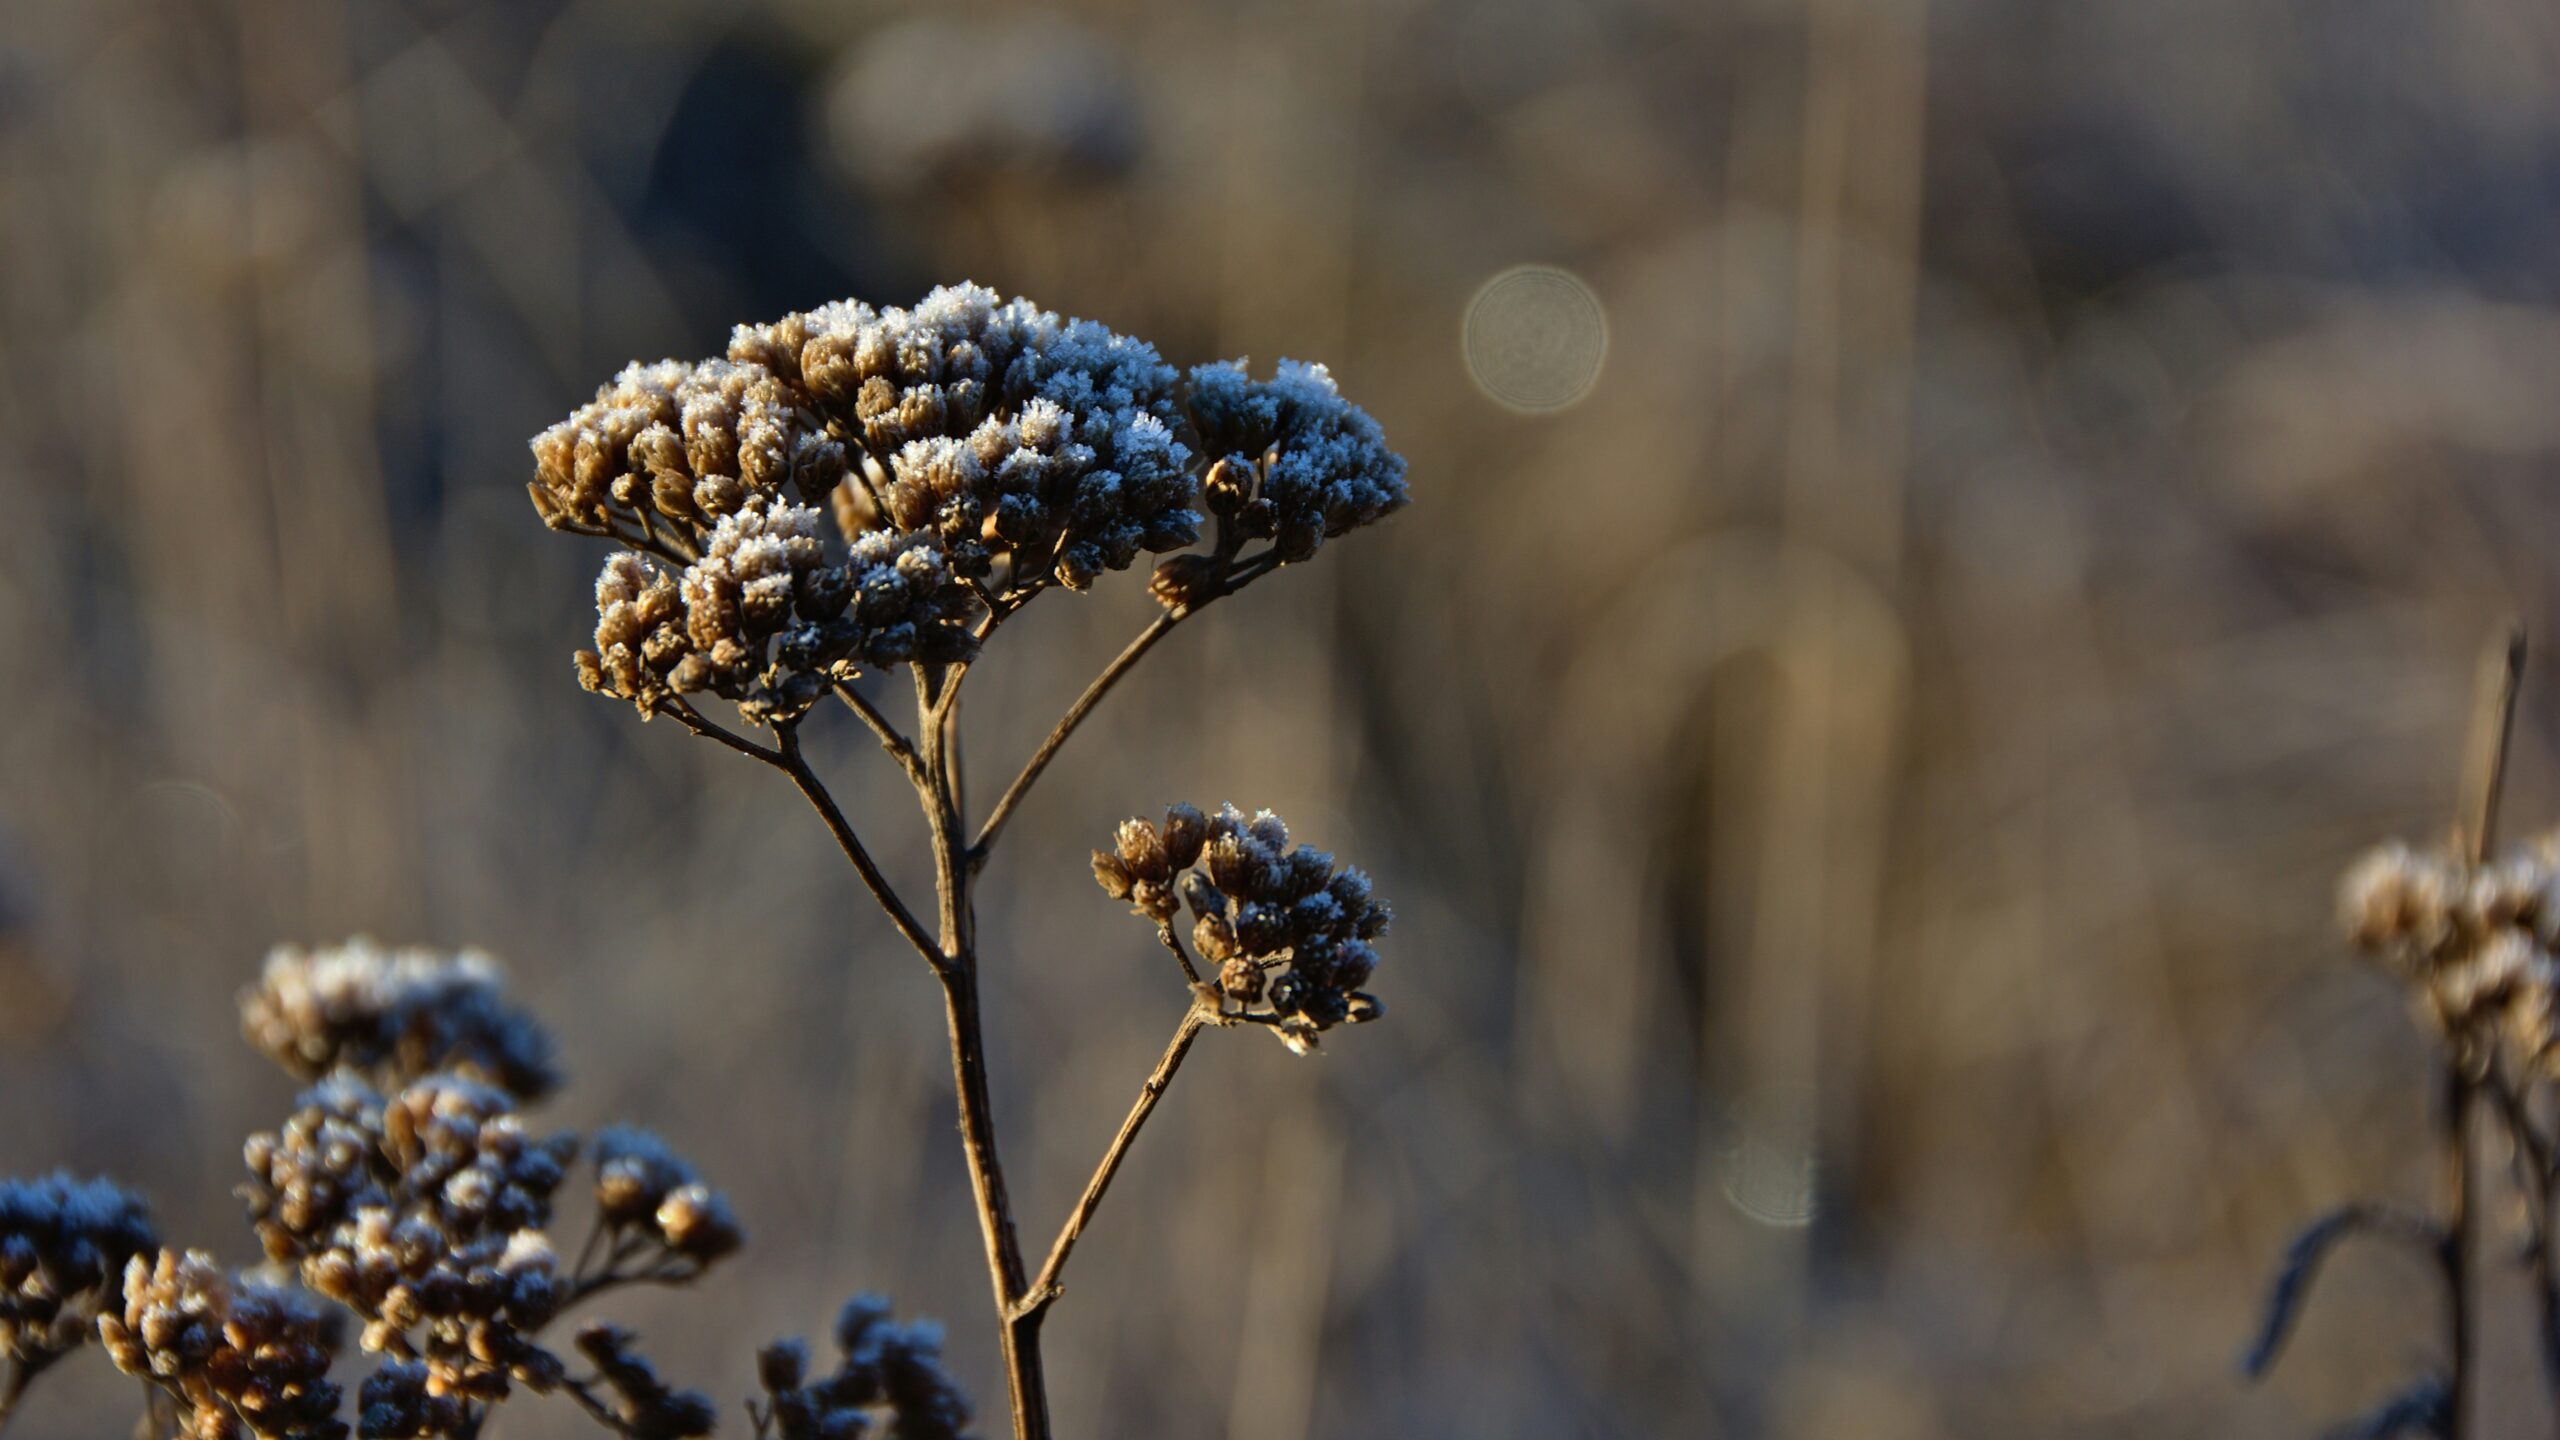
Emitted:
pixel 1066 726
pixel 792 763
pixel 1044 1289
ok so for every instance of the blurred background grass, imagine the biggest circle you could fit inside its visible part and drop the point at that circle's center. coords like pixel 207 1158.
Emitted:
pixel 1861 785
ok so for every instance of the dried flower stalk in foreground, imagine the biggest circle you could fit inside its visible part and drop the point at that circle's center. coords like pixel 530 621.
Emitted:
pixel 2474 941
pixel 973 453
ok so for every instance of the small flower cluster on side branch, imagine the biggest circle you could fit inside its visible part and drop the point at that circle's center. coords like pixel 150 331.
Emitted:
pixel 1284 927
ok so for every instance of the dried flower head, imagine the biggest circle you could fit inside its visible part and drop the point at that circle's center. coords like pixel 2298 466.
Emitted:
pixel 1280 924
pixel 646 1194
pixel 423 1213
pixel 63 1245
pixel 665 451
pixel 245 1360
pixel 2475 942
pixel 766 619
pixel 400 1401
pixel 1298 464
pixel 1013 433
pixel 394 1016
pixel 888 1373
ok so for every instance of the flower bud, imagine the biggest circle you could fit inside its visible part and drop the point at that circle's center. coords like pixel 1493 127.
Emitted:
pixel 1112 875
pixel 1229 484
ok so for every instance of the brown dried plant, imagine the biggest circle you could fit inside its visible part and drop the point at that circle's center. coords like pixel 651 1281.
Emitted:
pixel 2473 937
pixel 849 492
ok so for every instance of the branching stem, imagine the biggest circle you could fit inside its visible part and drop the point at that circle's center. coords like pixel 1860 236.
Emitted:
pixel 1044 1288
pixel 792 763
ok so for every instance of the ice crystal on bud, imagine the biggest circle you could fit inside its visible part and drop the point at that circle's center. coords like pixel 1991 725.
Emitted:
pixel 644 1191
pixel 1280 924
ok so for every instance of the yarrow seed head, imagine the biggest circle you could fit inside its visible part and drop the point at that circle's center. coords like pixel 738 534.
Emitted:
pixel 2476 943
pixel 1281 925
pixel 665 451
pixel 64 1244
pixel 765 619
pixel 1298 465
pixel 423 1213
pixel 394 1016
pixel 246 1360
pixel 1011 432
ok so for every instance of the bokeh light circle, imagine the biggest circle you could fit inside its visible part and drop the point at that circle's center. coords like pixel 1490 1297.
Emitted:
pixel 1534 338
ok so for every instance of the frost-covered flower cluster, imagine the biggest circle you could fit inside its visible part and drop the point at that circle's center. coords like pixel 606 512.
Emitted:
pixel 666 451
pixel 422 1205
pixel 764 618
pixel 423 1213
pixel 243 1360
pixel 2477 942
pixel 888 1374
pixel 1012 432
pixel 63 1245
pixel 395 1015
pixel 1282 925
pixel 1302 464
pixel 974 450
pixel 646 1194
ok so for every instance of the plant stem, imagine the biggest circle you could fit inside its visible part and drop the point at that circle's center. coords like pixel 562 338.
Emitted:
pixel 2485 765
pixel 1024 1377
pixel 890 740
pixel 1044 1289
pixel 790 761
pixel 1135 651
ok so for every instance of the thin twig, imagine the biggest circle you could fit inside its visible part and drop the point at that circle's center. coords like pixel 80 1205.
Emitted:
pixel 2533 1179
pixel 898 746
pixel 583 1392
pixel 791 763
pixel 1044 1288
pixel 1173 942
pixel 683 713
pixel 1120 665
pixel 1242 574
